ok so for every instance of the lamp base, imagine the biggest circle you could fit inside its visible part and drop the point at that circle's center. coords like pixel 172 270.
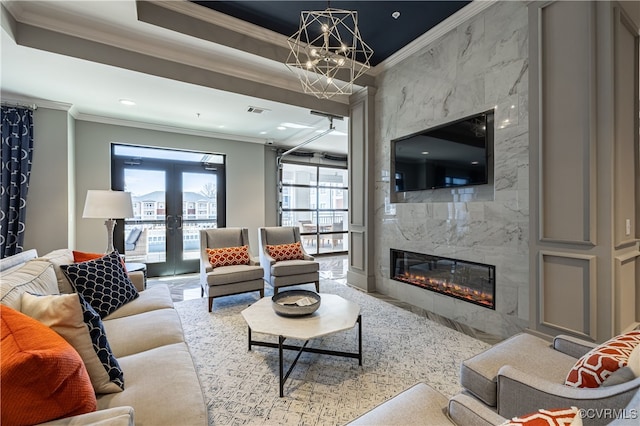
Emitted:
pixel 110 224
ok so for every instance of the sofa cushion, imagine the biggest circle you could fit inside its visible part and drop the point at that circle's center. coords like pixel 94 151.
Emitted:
pixel 234 274
pixel 76 321
pixel 285 251
pixel 228 256
pixel 42 377
pixel 524 352
pixel 102 282
pixel 155 297
pixel 162 387
pixel 148 330
pixel 35 276
pixel 58 258
pixel 595 366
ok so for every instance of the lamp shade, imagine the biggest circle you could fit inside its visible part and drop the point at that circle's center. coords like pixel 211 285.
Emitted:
pixel 106 204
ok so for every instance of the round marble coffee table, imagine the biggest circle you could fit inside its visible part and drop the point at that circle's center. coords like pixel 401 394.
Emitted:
pixel 335 314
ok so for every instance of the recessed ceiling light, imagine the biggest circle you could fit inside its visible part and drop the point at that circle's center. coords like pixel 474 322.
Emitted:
pixel 221 126
pixel 425 153
pixel 281 128
pixel 127 102
pixel 475 163
pixel 263 133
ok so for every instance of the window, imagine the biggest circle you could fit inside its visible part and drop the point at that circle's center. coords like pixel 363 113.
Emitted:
pixel 315 198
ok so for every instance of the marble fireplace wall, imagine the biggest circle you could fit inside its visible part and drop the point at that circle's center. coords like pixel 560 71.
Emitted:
pixel 480 65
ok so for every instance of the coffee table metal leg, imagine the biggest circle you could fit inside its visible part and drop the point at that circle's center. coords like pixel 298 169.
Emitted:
pixel 280 342
pixel 359 339
pixel 249 334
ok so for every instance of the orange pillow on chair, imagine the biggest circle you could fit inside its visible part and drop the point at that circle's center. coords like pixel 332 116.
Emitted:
pixel 42 377
pixel 228 256
pixel 291 251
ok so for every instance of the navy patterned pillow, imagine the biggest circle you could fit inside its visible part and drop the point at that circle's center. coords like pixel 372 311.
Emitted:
pixel 103 283
pixel 101 344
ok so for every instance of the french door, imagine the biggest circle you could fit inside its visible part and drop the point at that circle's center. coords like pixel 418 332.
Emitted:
pixel 172 200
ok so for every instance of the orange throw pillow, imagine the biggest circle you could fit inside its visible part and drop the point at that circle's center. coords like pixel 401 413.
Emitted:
pixel 42 376
pixel 228 256
pixel 85 256
pixel 291 251
pixel 558 416
pixel 595 366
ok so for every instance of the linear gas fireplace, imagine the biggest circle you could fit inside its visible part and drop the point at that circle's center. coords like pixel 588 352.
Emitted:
pixel 469 281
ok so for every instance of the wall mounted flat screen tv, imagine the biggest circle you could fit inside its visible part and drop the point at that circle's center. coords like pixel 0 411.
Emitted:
pixel 450 155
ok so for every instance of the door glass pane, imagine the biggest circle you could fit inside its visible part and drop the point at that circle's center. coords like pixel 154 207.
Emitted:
pixel 295 174
pixel 199 209
pixel 333 177
pixel 298 198
pixel 145 239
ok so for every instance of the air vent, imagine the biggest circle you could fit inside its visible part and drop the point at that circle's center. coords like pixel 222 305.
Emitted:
pixel 256 110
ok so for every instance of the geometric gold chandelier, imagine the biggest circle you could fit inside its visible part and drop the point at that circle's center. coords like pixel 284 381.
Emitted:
pixel 328 53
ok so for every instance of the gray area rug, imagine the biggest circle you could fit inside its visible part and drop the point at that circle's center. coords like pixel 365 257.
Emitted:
pixel 241 386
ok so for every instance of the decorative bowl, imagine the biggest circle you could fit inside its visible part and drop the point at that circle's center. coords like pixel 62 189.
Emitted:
pixel 295 303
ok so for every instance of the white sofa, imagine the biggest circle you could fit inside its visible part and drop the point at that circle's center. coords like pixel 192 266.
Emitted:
pixel 146 336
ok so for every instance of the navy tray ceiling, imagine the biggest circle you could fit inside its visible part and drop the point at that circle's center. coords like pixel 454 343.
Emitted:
pixel 384 34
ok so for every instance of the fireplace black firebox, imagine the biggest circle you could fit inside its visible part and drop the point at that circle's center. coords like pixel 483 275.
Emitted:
pixel 469 281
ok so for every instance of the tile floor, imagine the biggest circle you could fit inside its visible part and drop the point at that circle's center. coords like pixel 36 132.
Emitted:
pixel 186 287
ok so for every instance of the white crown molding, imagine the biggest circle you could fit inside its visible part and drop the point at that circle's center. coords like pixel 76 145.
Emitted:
pixel 166 128
pixel 449 24
pixel 20 100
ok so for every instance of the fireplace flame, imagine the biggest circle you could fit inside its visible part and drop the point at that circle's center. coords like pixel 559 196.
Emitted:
pixel 445 287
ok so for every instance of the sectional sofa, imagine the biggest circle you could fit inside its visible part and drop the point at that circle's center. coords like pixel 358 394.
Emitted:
pixel 145 335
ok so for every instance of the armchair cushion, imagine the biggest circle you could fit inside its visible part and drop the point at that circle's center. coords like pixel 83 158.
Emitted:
pixel 294 267
pixel 281 252
pixel 594 367
pixel 234 274
pixel 228 256
pixel 524 352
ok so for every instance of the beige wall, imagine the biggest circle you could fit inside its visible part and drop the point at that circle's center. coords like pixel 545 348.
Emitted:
pixel 49 216
pixel 72 156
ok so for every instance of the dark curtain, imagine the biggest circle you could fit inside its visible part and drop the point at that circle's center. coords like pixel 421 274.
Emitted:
pixel 17 152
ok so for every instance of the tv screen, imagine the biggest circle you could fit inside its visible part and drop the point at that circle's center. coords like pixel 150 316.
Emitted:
pixel 450 155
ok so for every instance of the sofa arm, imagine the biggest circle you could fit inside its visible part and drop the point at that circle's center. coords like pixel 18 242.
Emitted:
pixel 466 410
pixel 137 278
pixel 116 416
pixel 520 393
pixel 572 346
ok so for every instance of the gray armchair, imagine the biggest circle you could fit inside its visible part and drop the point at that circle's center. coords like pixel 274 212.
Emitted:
pixel 525 372
pixel 231 279
pixel 285 273
pixel 423 405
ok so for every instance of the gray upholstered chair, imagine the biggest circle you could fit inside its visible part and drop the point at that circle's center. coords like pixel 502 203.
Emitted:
pixel 285 273
pixel 525 372
pixel 423 405
pixel 231 279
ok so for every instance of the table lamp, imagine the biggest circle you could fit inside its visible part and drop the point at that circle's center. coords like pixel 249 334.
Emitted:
pixel 108 205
